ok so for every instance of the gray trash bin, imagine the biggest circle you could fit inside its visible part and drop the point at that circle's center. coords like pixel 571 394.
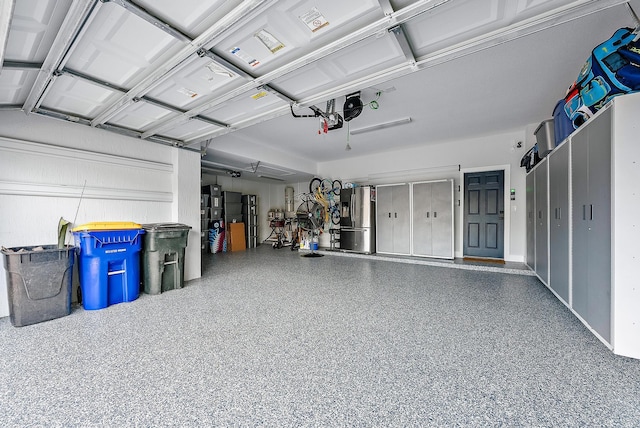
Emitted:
pixel 163 251
pixel 38 282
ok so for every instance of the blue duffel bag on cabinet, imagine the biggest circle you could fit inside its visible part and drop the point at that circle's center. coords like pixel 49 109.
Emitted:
pixel 612 69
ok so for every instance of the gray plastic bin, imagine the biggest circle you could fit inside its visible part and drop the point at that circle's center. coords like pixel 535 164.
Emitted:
pixel 545 138
pixel 163 251
pixel 38 283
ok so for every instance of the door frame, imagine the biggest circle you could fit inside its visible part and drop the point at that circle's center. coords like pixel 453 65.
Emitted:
pixel 507 206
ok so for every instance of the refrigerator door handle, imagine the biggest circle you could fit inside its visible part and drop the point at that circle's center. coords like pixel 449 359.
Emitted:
pixel 351 204
pixel 356 208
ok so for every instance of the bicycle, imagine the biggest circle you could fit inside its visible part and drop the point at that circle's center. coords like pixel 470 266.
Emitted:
pixel 310 215
pixel 325 192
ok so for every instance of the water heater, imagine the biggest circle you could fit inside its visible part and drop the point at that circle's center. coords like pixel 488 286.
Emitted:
pixel 288 201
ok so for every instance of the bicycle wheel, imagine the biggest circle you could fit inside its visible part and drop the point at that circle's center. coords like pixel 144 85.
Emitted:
pixel 335 216
pixel 314 184
pixel 325 186
pixel 336 186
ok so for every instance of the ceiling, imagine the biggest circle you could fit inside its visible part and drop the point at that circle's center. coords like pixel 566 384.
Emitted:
pixel 226 77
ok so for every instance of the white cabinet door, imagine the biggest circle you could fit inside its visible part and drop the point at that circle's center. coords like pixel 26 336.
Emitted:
pixel 384 222
pixel 442 231
pixel 392 219
pixel 400 216
pixel 432 219
pixel 422 219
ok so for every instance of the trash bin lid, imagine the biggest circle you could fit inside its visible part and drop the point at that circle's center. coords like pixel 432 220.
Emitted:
pixel 30 249
pixel 165 227
pixel 107 225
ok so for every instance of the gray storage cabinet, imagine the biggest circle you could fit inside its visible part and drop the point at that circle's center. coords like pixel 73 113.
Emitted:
pixel 531 220
pixel 432 219
pixel 594 224
pixel 591 218
pixel 542 230
pixel 231 212
pixel 393 227
pixel 547 221
pixel 250 216
pixel 232 208
pixel 559 221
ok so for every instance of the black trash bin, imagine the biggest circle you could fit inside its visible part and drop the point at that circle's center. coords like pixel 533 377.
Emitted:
pixel 38 282
pixel 163 251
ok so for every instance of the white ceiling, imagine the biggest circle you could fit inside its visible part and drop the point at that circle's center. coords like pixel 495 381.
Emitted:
pixel 224 75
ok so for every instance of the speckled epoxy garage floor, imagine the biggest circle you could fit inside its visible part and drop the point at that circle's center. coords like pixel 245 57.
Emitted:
pixel 273 339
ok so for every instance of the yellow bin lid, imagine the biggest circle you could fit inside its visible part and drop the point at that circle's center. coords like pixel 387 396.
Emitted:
pixel 107 225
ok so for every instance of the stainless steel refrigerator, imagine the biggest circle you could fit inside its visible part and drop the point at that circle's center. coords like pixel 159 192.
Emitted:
pixel 357 219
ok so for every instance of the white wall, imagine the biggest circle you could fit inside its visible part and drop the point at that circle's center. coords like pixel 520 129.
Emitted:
pixel 443 160
pixel 185 208
pixel 446 159
pixel 270 195
pixel 45 164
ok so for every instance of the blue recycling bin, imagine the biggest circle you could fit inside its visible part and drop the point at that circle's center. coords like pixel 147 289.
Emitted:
pixel 108 263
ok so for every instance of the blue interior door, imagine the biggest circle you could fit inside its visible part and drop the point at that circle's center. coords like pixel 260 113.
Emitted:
pixel 484 214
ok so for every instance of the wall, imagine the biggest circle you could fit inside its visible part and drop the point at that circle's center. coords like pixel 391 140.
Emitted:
pixel 185 208
pixel 46 165
pixel 450 159
pixel 270 196
pixel 446 159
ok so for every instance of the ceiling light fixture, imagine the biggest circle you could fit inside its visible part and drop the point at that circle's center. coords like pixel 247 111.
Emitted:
pixel 379 126
pixel 383 24
pixel 270 178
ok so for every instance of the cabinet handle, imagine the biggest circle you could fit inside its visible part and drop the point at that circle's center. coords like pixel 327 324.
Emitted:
pixel 389 215
pixel 584 212
pixel 395 215
pixel 435 214
pixel 559 213
pixel 591 212
pixel 427 214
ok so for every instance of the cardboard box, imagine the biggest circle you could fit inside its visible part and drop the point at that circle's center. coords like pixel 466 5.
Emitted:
pixel 237 240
